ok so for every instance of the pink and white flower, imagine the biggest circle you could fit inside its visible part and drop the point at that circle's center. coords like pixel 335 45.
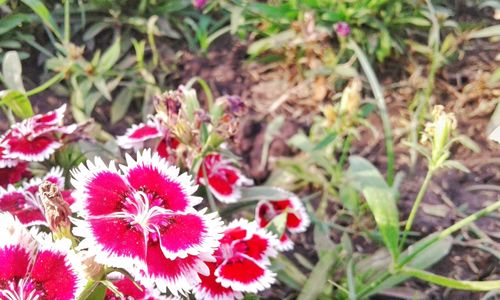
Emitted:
pixel 24 202
pixel 242 263
pixel 138 134
pixel 35 138
pixel 297 219
pixel 148 204
pixel 222 178
pixel 34 267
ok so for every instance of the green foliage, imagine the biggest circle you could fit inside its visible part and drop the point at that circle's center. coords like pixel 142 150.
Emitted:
pixel 379 26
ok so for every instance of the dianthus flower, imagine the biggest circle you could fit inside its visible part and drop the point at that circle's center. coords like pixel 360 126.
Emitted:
pixel 35 138
pixel 142 219
pixel 242 263
pixel 297 219
pixel 33 267
pixel 222 178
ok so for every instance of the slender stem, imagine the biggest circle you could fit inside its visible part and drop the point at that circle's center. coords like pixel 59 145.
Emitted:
pixel 345 151
pixel 87 291
pixel 55 79
pixel 374 285
pixel 450 230
pixel 211 200
pixel 443 234
pixel 384 115
pixel 416 204
pixel 67 23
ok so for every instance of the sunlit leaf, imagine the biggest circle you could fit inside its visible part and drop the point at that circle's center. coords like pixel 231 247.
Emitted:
pixel 109 58
pixel 42 11
pixel 452 283
pixel 18 103
pixel 380 199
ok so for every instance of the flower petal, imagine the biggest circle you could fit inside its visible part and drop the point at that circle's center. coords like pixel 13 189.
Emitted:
pixel 99 189
pixel 210 289
pixel 36 149
pixel 224 180
pixel 178 275
pixel 17 248
pixel 130 290
pixel 154 175
pixel 186 234
pixel 135 136
pixel 255 278
pixel 112 241
pixel 57 270
pixel 22 205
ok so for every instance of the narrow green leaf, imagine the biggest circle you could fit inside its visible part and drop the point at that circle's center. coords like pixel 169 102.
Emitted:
pixel 101 86
pixel 109 58
pixel 18 103
pixel 120 105
pixel 263 193
pixel 485 32
pixel 327 140
pixel 41 10
pixel 12 21
pixel 380 199
pixel 316 282
pixel 12 71
pixel 479 286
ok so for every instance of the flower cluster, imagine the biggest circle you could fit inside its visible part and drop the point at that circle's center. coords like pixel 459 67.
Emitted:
pixel 242 263
pixel 150 206
pixel 137 226
pixel 34 267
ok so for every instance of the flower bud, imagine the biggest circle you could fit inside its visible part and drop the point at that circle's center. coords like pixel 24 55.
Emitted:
pixel 342 29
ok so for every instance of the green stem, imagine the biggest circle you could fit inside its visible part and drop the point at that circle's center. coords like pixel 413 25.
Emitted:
pixel 87 291
pixel 211 200
pixel 443 234
pixel 450 230
pixel 374 285
pixel 416 204
pixel 384 115
pixel 67 23
pixel 55 79
pixel 345 151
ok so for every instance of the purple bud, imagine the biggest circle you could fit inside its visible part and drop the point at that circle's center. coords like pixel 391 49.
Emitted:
pixel 199 3
pixel 236 105
pixel 342 29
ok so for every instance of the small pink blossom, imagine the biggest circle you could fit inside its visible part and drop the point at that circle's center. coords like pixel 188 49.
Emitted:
pixel 297 219
pixel 35 138
pixel 199 4
pixel 222 178
pixel 342 29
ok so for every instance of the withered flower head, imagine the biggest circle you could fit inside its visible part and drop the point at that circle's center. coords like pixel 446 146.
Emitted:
pixel 57 210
